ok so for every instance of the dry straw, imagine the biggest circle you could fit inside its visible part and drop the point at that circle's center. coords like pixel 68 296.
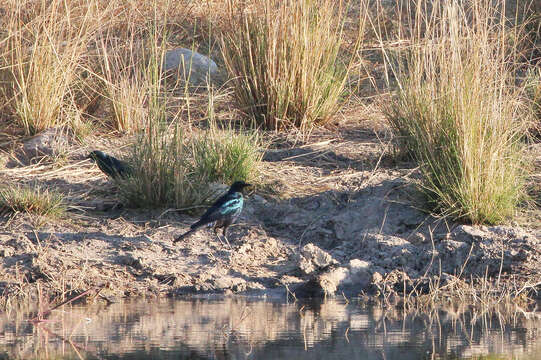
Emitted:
pixel 458 111
pixel 45 46
pixel 285 62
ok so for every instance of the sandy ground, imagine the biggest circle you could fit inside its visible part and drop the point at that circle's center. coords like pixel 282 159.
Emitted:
pixel 337 214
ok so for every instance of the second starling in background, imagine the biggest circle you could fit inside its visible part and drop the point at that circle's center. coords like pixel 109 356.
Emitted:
pixel 110 165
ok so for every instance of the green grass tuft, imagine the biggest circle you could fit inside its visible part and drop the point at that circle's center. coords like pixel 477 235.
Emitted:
pixel 32 200
pixel 459 114
pixel 225 155
pixel 174 168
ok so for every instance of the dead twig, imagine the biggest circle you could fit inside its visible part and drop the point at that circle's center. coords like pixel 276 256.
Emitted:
pixel 40 317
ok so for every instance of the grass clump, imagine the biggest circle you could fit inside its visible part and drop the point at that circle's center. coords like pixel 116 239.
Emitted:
pixel 284 60
pixel 32 200
pixel 174 165
pixel 176 168
pixel 458 112
pixel 45 46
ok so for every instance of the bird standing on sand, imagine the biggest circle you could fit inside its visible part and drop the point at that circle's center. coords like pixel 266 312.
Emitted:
pixel 110 165
pixel 222 213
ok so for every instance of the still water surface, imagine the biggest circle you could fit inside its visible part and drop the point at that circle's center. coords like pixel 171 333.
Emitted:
pixel 240 328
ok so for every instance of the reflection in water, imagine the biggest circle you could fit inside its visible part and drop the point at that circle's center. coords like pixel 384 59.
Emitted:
pixel 240 328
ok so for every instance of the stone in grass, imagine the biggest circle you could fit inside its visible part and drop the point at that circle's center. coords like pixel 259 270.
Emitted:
pixel 50 142
pixel 190 65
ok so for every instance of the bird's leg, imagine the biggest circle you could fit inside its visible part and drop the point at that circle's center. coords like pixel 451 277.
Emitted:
pixel 225 237
pixel 227 241
pixel 215 229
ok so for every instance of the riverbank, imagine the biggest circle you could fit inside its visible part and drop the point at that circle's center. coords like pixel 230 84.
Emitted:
pixel 335 215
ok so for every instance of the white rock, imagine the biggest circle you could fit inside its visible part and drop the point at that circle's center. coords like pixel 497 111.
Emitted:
pixel 190 65
pixel 330 281
pixel 359 272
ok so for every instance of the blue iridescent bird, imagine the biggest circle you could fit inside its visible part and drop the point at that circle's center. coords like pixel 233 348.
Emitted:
pixel 222 213
pixel 110 165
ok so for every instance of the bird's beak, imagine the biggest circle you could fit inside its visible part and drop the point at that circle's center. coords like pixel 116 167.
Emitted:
pixel 251 191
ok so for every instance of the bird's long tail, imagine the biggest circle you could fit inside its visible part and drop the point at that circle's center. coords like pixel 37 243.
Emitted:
pixel 193 229
pixel 186 234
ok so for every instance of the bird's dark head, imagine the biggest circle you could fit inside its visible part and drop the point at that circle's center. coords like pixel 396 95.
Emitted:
pixel 238 186
pixel 96 154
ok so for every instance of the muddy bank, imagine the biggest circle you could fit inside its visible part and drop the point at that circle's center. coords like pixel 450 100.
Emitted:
pixel 356 240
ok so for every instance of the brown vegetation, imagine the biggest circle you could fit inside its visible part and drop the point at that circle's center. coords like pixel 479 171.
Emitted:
pixel 453 96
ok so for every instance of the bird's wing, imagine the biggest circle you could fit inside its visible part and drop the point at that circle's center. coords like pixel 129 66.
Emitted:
pixel 106 165
pixel 224 206
pixel 232 205
pixel 118 167
pixel 209 215
pixel 215 206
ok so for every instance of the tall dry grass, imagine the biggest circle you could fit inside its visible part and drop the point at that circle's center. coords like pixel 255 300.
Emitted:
pixel 174 162
pixel 46 42
pixel 458 112
pixel 284 59
pixel 123 72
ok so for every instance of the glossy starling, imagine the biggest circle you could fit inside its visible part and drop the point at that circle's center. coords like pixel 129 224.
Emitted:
pixel 222 213
pixel 110 165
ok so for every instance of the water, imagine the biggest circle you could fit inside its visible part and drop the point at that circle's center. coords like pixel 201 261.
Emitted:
pixel 240 328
